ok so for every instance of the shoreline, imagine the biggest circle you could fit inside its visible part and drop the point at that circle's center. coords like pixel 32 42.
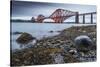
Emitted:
pixel 51 22
pixel 61 44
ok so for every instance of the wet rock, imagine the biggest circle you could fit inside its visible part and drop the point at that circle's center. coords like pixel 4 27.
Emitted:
pixel 72 52
pixel 68 58
pixel 25 38
pixel 84 31
pixel 83 43
pixel 33 42
pixel 87 57
pixel 58 58
pixel 34 56
pixel 58 31
pixel 94 39
pixel 51 31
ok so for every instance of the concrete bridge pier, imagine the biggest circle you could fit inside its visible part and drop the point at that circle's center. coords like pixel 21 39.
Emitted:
pixel 77 17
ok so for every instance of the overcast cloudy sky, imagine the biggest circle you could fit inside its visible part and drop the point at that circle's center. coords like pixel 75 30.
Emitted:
pixel 22 9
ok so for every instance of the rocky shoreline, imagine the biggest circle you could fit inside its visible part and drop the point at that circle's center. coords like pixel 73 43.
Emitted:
pixel 57 49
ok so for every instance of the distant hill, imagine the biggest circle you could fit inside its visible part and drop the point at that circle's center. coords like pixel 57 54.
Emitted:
pixel 20 20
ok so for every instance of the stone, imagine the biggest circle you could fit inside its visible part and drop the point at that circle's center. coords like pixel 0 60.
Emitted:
pixel 72 52
pixel 25 38
pixel 51 31
pixel 58 58
pixel 83 43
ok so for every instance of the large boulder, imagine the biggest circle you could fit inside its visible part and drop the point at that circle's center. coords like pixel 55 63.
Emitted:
pixel 83 43
pixel 25 38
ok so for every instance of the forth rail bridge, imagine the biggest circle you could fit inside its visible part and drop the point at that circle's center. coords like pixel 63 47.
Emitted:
pixel 60 15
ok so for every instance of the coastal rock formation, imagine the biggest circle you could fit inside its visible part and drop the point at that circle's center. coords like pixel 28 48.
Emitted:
pixel 83 43
pixel 25 38
pixel 58 49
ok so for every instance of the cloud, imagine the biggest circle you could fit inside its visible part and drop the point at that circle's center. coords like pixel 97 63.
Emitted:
pixel 24 9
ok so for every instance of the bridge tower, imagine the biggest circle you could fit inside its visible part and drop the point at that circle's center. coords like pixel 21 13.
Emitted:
pixel 60 15
pixel 33 19
pixel 40 18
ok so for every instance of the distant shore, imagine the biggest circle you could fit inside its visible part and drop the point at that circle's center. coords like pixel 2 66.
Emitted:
pixel 49 22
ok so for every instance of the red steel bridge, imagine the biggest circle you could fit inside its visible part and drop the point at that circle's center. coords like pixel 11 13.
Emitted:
pixel 60 15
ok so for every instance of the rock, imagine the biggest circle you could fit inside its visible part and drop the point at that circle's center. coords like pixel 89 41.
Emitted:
pixel 94 39
pixel 72 52
pixel 17 60
pixel 33 42
pixel 58 31
pixel 92 33
pixel 58 58
pixel 87 57
pixel 68 58
pixel 51 31
pixel 25 38
pixel 84 31
pixel 83 43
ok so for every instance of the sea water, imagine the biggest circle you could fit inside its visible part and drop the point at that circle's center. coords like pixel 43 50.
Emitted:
pixel 38 30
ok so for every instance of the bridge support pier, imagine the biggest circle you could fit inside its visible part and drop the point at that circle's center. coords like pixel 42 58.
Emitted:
pixel 77 17
pixel 91 18
pixel 83 18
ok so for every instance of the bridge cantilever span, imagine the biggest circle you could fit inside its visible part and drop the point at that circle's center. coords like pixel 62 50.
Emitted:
pixel 60 15
pixel 40 18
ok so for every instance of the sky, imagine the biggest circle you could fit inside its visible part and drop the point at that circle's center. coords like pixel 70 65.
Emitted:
pixel 25 10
